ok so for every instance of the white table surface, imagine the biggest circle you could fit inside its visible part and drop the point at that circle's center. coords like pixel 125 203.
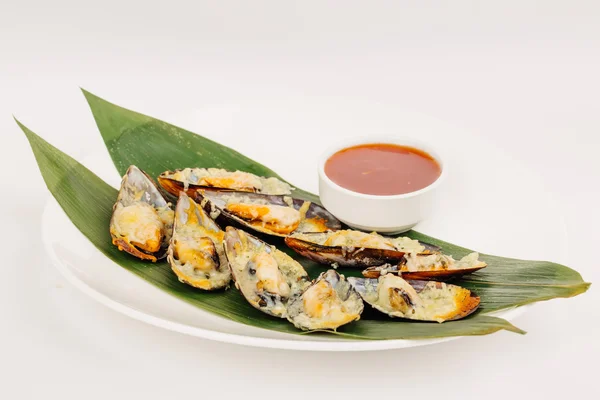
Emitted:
pixel 518 77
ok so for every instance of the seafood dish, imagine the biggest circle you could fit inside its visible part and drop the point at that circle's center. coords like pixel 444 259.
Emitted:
pixel 268 214
pixel 191 179
pixel 353 248
pixel 328 303
pixel 241 255
pixel 266 277
pixel 205 257
pixel 196 252
pixel 142 220
pixel 416 299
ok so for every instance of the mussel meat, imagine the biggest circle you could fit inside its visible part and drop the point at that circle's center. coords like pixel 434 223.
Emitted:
pixel 265 276
pixel 142 220
pixel 416 299
pixel 328 303
pixel 196 253
pixel 191 179
pixel 270 214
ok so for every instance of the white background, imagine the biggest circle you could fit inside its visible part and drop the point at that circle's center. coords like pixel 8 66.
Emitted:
pixel 518 79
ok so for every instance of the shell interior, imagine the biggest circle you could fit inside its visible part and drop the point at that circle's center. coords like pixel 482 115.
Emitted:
pixel 269 214
pixel 416 300
pixel 196 252
pixel 328 303
pixel 266 277
pixel 142 220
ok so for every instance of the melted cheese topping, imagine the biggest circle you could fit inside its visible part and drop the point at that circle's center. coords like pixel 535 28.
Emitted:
pixel 350 238
pixel 167 217
pixel 323 308
pixel 437 301
pixel 392 290
pixel 140 224
pixel 270 278
pixel 275 186
pixel 434 262
pixel 196 252
pixel 277 218
pixel 235 180
pixel 238 180
pixel 200 254
pixel 407 245
pixel 267 277
pixel 322 302
pixel 470 261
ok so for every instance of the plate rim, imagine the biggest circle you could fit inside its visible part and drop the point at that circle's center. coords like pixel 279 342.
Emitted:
pixel 52 206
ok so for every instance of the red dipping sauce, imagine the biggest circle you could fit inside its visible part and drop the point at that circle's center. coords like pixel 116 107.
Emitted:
pixel 382 169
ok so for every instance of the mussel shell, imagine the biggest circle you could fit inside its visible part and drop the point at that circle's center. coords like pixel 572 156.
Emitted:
pixel 175 186
pixel 344 292
pixel 317 218
pixel 221 276
pixel 135 181
pixel 239 246
pixel 436 275
pixel 137 186
pixel 463 306
pixel 349 257
pixel 309 247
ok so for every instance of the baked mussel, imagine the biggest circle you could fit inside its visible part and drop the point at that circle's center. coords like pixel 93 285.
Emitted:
pixel 429 266
pixel 266 277
pixel 277 215
pixel 196 253
pixel 416 299
pixel 328 303
pixel 355 248
pixel 191 179
pixel 142 219
pixel 414 259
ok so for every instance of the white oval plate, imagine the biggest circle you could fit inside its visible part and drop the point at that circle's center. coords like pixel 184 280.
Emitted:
pixel 100 278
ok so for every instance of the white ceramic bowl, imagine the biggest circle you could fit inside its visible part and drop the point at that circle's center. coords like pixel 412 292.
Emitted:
pixel 385 214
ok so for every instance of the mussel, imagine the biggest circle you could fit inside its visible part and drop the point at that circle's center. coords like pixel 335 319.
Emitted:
pixel 414 259
pixel 265 276
pixel 191 179
pixel 196 253
pixel 416 299
pixel 328 303
pixel 142 220
pixel 429 266
pixel 355 248
pixel 269 214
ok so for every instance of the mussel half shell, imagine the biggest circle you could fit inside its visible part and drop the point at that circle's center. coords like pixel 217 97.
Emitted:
pixel 142 220
pixel 269 214
pixel 191 179
pixel 266 277
pixel 328 303
pixel 429 266
pixel 415 299
pixel 196 253
pixel 355 248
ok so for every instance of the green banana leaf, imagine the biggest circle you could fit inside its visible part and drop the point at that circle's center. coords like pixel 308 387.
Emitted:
pixel 88 201
pixel 156 146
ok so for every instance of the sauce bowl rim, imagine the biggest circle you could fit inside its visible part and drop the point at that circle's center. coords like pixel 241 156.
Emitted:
pixel 392 140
